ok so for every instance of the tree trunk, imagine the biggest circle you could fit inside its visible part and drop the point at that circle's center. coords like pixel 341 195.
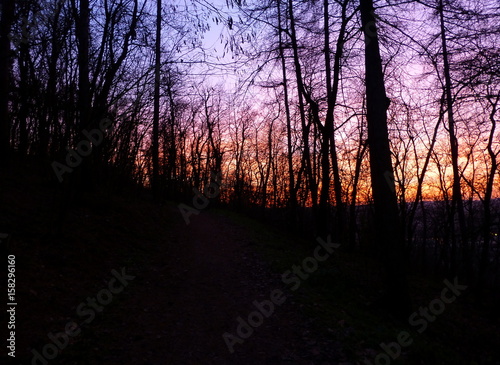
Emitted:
pixel 156 117
pixel 329 131
pixel 389 235
pixel 312 185
pixel 487 220
pixel 292 200
pixel 82 34
pixel 6 21
pixel 457 203
pixel 352 209
pixel 24 98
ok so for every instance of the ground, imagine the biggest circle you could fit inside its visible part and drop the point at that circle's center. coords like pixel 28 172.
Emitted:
pixel 191 292
pixel 188 285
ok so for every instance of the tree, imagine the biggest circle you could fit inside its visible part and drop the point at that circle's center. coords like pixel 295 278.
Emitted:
pixel 82 25
pixel 457 202
pixel 7 18
pixel 292 201
pixel 389 235
pixel 156 117
pixel 306 126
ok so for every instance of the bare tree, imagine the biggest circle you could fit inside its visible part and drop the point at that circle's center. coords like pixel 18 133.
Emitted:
pixel 156 117
pixel 7 18
pixel 389 236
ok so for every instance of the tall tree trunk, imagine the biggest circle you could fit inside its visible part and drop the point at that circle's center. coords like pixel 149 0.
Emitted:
pixel 156 117
pixel 421 177
pixel 172 147
pixel 389 233
pixel 330 148
pixel 6 21
pixel 352 209
pixel 326 133
pixel 84 175
pixel 292 200
pixel 25 96
pixel 269 164
pixel 82 34
pixel 457 203
pixel 312 185
pixel 51 98
pixel 487 220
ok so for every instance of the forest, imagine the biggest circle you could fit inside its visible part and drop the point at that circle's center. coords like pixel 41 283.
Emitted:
pixel 369 126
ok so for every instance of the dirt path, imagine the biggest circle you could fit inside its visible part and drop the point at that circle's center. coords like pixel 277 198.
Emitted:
pixel 194 290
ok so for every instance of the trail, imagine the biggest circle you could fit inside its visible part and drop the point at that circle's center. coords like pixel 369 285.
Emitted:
pixel 200 280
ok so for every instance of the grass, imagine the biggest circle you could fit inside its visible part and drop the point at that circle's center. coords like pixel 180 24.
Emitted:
pixel 342 296
pixel 104 232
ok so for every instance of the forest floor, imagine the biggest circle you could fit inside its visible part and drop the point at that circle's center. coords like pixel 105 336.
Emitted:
pixel 184 286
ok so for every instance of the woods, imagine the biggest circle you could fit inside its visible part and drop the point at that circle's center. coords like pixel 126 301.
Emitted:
pixel 374 123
